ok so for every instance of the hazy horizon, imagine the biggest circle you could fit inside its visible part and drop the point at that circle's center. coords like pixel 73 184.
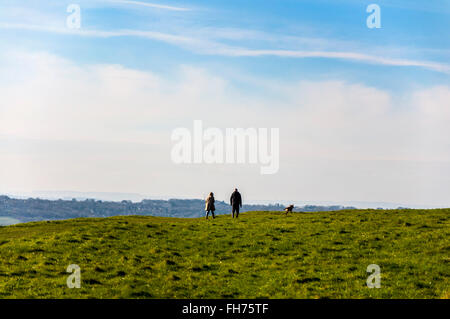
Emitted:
pixel 117 197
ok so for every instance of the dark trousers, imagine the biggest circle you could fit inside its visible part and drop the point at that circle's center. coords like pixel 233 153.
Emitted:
pixel 235 209
pixel 212 213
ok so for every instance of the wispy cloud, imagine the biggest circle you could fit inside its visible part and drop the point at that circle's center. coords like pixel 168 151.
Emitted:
pixel 151 5
pixel 435 66
pixel 212 47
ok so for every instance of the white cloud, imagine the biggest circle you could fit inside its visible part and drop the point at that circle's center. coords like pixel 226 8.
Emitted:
pixel 107 128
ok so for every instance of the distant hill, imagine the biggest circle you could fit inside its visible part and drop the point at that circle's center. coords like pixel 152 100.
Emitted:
pixel 35 209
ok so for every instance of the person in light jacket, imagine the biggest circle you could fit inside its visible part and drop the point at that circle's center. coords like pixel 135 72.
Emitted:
pixel 209 205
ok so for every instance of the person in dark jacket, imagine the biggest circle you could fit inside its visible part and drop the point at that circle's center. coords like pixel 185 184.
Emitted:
pixel 209 205
pixel 235 202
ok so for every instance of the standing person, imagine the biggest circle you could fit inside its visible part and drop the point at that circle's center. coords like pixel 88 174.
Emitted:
pixel 235 202
pixel 209 205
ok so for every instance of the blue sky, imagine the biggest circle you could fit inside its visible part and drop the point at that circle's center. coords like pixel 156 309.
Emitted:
pixel 141 67
pixel 411 30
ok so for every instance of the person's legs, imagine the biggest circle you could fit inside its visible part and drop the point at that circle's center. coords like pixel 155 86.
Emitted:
pixel 236 210
pixel 207 213
pixel 212 213
pixel 232 211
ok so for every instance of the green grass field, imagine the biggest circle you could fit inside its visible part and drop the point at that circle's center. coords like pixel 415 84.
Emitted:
pixel 260 255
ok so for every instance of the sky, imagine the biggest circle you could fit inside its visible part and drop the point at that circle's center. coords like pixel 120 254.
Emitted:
pixel 362 112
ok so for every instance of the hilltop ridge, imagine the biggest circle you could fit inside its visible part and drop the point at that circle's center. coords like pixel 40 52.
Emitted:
pixel 259 255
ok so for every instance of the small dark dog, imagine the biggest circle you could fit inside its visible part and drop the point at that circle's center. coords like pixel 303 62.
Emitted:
pixel 289 209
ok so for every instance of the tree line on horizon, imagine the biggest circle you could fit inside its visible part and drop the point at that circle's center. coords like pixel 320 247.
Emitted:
pixel 35 209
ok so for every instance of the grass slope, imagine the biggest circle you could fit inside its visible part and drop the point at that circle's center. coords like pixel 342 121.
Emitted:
pixel 261 255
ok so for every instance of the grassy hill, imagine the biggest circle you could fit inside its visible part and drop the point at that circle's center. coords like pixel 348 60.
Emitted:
pixel 260 255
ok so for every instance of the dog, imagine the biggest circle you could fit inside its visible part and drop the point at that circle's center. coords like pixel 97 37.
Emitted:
pixel 289 209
